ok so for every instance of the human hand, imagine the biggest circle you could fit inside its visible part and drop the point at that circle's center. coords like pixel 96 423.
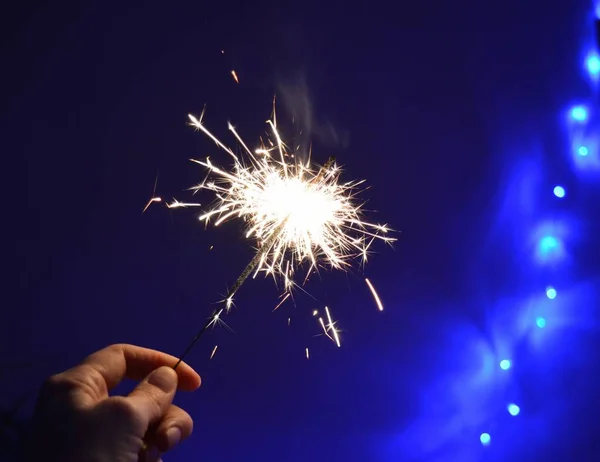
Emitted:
pixel 76 421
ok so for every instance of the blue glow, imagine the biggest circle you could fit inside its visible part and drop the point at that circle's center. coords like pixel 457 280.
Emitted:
pixel 579 114
pixel 592 63
pixel 505 364
pixel 551 293
pixel 583 151
pixel 485 439
pixel 559 192
pixel 540 322
pixel 548 244
pixel 513 409
pixel 548 240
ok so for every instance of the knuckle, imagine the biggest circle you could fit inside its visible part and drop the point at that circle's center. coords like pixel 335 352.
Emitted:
pixel 93 381
pixel 115 347
pixel 82 378
pixel 125 411
pixel 59 383
pixel 155 401
pixel 58 394
pixel 179 418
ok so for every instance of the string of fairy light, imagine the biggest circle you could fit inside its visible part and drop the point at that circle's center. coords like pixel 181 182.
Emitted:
pixel 585 152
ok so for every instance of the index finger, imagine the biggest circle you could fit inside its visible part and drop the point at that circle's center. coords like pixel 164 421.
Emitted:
pixel 116 362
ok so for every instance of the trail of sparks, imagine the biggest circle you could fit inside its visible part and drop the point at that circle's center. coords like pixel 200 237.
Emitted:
pixel 235 77
pixel 282 301
pixel 213 352
pixel 325 329
pixel 173 205
pixel 375 296
pixel 150 202
pixel 176 204
pixel 307 354
pixel 332 328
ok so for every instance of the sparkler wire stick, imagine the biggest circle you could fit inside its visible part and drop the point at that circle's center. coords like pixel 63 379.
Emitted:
pixel 236 286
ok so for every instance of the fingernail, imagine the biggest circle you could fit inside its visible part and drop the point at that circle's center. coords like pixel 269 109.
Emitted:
pixel 164 378
pixel 173 436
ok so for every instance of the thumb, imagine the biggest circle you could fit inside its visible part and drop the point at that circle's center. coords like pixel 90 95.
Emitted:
pixel 153 396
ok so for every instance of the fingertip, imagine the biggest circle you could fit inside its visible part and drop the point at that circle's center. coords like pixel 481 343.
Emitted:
pixel 168 439
pixel 173 436
pixel 189 379
pixel 197 380
pixel 164 378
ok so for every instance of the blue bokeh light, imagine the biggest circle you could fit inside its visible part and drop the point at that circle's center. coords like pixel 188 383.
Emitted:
pixel 592 64
pixel 505 364
pixel 579 114
pixel 583 151
pixel 550 238
pixel 551 292
pixel 559 192
pixel 485 439
pixel 548 245
pixel 540 322
pixel 513 409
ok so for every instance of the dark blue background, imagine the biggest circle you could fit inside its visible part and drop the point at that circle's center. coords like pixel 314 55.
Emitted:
pixel 455 114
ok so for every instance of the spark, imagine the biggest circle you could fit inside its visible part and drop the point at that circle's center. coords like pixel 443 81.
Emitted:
pixel 216 318
pixel 173 205
pixel 331 326
pixel 154 198
pixel 307 354
pixel 150 202
pixel 289 321
pixel 235 77
pixel 282 301
pixel 176 204
pixel 375 296
pixel 213 352
pixel 326 330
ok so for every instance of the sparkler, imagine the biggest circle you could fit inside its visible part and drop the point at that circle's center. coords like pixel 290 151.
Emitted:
pixel 297 215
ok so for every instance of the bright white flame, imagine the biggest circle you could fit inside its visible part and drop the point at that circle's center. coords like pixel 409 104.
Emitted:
pixel 312 217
